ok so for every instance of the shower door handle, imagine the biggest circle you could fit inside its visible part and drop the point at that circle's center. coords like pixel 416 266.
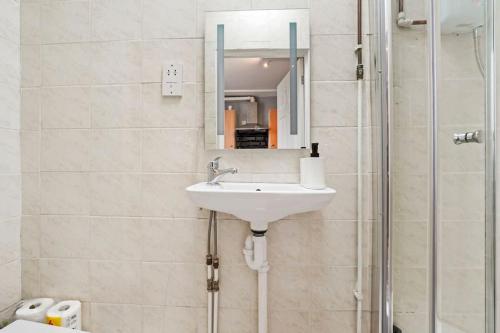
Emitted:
pixel 467 137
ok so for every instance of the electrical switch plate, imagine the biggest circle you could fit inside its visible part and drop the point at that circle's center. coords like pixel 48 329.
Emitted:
pixel 172 80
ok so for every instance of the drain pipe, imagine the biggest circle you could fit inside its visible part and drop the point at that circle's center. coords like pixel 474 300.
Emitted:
pixel 358 292
pixel 404 21
pixel 255 253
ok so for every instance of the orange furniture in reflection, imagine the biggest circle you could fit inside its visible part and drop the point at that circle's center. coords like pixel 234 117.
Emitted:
pixel 273 128
pixel 230 129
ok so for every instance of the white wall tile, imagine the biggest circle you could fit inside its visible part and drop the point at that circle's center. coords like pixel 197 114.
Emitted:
pixel 10 243
pixel 185 319
pixel 65 193
pixel 411 286
pixel 116 238
pixel 30 278
pixel 115 150
pixel 280 4
pixel 116 318
pixel 10 192
pixel 333 104
pixel 10 18
pixel 155 279
pixel 322 12
pixel 65 107
pixel 31 75
pixel 9 109
pixel 115 194
pixel 163 195
pixel 333 296
pixel 161 111
pixel 10 150
pixel 31 193
pixel 30 23
pixel 457 299
pixel 65 278
pixel 338 238
pixel 115 282
pixel 289 288
pixel 116 19
pixel 65 21
pixel 10 289
pixel 10 67
pixel 231 318
pixel 328 47
pixel 234 295
pixel 64 236
pixel 30 151
pixel 170 150
pixel 65 150
pixel 289 321
pixel 187 285
pixel 30 237
pixel 66 64
pixel 116 62
pixel 163 240
pixel 116 106
pixel 411 244
pixel 172 19
pixel 289 242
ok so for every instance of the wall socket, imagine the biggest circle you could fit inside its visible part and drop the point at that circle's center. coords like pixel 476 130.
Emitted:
pixel 171 84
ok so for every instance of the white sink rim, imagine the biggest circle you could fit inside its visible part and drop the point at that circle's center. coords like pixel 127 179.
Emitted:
pixel 252 201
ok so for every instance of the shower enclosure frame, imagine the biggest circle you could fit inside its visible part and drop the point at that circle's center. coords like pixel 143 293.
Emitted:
pixel 382 100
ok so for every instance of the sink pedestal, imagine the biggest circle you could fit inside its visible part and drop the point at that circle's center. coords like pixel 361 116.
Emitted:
pixel 255 253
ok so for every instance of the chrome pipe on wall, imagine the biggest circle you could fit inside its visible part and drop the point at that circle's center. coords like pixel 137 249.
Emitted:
pixel 491 320
pixel 384 105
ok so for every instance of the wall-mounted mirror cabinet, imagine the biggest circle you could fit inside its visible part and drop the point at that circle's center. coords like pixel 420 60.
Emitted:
pixel 257 80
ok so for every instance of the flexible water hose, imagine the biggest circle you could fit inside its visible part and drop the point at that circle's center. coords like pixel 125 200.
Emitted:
pixel 477 50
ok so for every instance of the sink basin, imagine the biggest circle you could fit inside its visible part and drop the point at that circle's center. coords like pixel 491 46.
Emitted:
pixel 259 203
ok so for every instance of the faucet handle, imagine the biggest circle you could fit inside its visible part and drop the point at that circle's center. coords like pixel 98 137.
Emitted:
pixel 214 164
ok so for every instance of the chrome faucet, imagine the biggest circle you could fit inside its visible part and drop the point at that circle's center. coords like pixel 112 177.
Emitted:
pixel 214 173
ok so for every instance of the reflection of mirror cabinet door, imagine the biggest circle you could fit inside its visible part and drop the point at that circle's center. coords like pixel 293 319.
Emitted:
pixel 230 129
pixel 273 128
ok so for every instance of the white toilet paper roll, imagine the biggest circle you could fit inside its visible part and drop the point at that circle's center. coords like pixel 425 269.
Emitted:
pixel 34 309
pixel 66 314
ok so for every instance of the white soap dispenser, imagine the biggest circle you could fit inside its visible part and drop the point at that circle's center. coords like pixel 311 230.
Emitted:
pixel 312 170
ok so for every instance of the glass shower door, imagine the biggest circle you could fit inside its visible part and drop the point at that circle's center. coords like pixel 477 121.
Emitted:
pixel 442 168
pixel 461 201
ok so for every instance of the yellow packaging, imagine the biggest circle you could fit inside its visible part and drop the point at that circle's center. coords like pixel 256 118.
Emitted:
pixel 54 321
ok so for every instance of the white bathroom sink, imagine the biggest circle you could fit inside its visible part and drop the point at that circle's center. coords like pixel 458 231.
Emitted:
pixel 259 203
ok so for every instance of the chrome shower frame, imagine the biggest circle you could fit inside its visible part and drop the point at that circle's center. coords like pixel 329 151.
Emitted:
pixel 382 72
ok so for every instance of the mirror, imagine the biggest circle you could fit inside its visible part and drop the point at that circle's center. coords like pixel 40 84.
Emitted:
pixel 257 80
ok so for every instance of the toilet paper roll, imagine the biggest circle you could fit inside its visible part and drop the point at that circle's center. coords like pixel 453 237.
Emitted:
pixel 34 309
pixel 66 314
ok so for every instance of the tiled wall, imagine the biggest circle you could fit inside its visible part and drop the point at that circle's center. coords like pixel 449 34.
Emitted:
pixel 10 171
pixel 460 182
pixel 106 160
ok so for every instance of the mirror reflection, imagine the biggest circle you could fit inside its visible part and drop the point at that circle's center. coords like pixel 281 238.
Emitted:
pixel 257 109
pixel 257 80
